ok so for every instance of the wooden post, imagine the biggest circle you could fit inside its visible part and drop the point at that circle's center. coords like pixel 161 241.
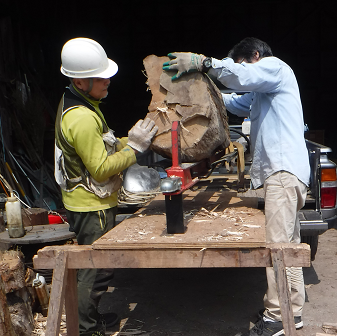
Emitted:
pixel 283 292
pixel 57 294
pixel 71 303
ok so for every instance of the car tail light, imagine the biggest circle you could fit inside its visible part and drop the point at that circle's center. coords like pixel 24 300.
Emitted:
pixel 328 188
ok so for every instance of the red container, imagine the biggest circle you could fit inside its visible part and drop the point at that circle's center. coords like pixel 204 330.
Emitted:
pixel 54 219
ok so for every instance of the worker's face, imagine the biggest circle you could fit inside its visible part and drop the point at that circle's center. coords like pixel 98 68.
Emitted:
pixel 99 86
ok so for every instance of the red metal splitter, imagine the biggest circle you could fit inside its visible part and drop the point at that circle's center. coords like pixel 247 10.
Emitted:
pixel 183 171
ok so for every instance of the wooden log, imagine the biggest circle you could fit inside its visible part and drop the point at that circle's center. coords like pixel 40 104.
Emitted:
pixel 20 312
pixel 12 270
pixel 196 102
pixel 12 275
pixel 6 328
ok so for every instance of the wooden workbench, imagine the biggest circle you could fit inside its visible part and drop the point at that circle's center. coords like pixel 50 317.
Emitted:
pixel 222 230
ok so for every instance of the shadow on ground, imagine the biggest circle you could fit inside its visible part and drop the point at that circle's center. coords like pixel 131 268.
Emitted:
pixel 198 302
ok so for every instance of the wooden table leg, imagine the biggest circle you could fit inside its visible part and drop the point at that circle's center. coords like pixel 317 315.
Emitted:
pixel 71 303
pixel 283 292
pixel 57 294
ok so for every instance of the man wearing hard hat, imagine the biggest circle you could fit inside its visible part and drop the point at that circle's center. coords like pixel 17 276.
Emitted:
pixel 89 160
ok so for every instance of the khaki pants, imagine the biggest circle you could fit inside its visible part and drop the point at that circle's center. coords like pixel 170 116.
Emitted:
pixel 284 196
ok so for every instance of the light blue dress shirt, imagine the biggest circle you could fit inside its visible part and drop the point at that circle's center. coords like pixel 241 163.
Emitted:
pixel 275 110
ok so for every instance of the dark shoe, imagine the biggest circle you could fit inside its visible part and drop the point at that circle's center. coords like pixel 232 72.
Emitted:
pixel 263 328
pixel 109 320
pixel 297 319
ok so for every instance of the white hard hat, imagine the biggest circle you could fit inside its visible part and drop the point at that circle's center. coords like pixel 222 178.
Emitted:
pixel 85 58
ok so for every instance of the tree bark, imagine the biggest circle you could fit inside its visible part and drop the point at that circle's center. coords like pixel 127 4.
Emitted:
pixel 196 102
pixel 6 328
pixel 15 298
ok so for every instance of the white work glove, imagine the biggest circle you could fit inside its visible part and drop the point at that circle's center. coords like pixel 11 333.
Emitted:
pixel 140 135
pixel 184 62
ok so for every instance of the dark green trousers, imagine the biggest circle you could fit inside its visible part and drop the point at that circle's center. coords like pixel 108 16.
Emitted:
pixel 91 283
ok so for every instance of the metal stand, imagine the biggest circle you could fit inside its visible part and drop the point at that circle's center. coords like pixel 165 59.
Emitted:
pixel 174 213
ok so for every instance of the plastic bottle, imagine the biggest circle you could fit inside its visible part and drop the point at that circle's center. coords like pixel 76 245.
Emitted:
pixel 39 283
pixel 14 218
pixel 246 126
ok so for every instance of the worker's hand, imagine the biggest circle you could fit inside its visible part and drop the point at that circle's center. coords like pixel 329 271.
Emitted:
pixel 183 62
pixel 140 135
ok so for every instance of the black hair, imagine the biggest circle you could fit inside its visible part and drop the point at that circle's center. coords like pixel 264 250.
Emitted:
pixel 247 48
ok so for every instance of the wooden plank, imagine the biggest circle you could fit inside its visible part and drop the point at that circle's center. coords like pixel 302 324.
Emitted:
pixel 57 294
pixel 71 303
pixel 86 257
pixel 283 292
pixel 330 328
pixel 213 219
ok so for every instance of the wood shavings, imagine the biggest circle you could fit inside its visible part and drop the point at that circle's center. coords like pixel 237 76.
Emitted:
pixel 219 237
pixel 230 233
pixel 162 109
pixel 229 214
pixel 189 213
pixel 41 323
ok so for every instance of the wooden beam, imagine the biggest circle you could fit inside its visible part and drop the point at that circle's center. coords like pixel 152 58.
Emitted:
pixel 71 303
pixel 57 294
pixel 86 257
pixel 283 292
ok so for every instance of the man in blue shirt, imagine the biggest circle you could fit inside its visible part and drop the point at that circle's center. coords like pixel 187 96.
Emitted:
pixel 280 158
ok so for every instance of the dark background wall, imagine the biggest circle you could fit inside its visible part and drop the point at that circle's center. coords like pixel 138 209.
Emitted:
pixel 302 33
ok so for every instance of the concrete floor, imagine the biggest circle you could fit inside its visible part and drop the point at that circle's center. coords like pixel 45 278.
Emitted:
pixel 214 302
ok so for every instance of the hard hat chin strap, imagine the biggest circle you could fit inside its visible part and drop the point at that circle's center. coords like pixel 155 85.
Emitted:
pixel 91 83
pixel 86 92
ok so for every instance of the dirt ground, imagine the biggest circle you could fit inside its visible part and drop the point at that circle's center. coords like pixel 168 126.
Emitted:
pixel 214 302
